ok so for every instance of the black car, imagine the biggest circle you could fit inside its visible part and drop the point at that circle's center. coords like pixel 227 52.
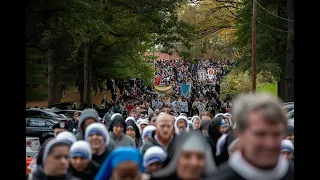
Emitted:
pixel 41 128
pixel 64 106
pixel 67 113
pixel 46 114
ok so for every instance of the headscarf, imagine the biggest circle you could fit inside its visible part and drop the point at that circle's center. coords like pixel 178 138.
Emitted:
pixel 192 141
pixel 176 124
pixel 119 155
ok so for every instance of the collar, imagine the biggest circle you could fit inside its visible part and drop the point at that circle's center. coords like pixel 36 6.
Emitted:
pixel 248 171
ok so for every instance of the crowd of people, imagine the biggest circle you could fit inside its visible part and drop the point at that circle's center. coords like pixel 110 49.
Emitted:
pixel 176 136
pixel 254 142
pixel 204 95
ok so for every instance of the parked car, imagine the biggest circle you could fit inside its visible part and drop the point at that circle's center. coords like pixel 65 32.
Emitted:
pixel 290 114
pixel 32 146
pixel 67 113
pixel 64 106
pixel 43 113
pixel 288 106
pixel 41 128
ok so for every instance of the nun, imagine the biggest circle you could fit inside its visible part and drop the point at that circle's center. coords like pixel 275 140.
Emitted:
pixel 124 162
pixel 53 162
pixel 192 159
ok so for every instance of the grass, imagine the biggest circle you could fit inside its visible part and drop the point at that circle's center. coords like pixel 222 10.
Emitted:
pixel 267 87
pixel 72 95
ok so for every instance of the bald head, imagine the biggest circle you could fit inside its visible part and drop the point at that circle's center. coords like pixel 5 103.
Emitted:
pixel 165 117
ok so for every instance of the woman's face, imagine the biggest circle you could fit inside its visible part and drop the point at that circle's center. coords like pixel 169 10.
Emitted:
pixel 196 124
pixel 190 164
pixel 126 171
pixel 79 163
pixel 130 132
pixel 154 167
pixel 57 161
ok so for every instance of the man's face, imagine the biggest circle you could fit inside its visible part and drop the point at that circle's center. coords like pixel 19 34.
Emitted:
pixel 261 141
pixel 164 126
pixel 76 116
pixel 96 141
pixel 138 109
pixel 134 114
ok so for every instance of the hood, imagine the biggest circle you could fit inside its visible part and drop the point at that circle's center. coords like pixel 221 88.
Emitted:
pixel 86 114
pixel 176 124
pixel 214 129
pixel 118 119
pixel 135 128
pixel 191 141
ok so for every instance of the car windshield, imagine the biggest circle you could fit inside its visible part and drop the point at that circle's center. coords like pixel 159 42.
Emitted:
pixel 52 114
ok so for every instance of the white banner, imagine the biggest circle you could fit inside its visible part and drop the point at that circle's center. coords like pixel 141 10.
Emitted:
pixel 210 73
pixel 201 75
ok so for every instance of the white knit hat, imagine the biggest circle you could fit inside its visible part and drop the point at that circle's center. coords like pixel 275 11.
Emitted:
pixel 81 148
pixel 66 136
pixel 147 131
pixel 154 154
pixel 286 145
pixel 100 129
pixel 176 123
pixel 130 118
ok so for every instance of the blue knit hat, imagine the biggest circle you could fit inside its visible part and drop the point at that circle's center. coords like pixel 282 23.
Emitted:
pixel 119 155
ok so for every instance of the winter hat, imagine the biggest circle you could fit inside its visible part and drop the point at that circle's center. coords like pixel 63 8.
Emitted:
pixel 81 148
pixel 154 154
pixel 147 131
pixel 227 114
pixel 223 123
pixel 89 113
pixel 130 118
pixel 67 137
pixel 119 155
pixel 114 115
pixel 97 128
pixel 144 121
pixel 176 123
pixel 219 114
pixel 286 145
pixel 183 114
pixel 49 146
pixel 195 117
pixel 117 120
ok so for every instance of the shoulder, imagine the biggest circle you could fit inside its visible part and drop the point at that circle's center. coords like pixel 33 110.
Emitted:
pixel 225 172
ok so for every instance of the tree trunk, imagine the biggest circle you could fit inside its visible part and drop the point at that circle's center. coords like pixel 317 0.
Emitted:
pixel 54 75
pixel 289 80
pixel 81 90
pixel 87 66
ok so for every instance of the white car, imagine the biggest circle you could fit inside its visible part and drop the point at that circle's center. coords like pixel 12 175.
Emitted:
pixel 32 146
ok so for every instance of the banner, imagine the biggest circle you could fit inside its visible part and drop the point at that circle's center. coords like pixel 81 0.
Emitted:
pixel 163 89
pixel 185 90
pixel 201 75
pixel 157 81
pixel 210 73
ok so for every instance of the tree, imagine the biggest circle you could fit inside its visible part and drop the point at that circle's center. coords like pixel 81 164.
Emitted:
pixel 272 42
pixel 214 27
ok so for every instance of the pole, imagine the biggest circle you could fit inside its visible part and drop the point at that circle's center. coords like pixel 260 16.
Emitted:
pixel 254 45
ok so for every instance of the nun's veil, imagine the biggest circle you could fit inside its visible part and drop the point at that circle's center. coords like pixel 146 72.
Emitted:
pixel 193 139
